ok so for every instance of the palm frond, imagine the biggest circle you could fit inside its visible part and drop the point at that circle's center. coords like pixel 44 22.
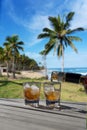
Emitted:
pixel 60 50
pixel 74 38
pixel 5 43
pixel 68 19
pixel 8 39
pixel 75 30
pixel 70 43
pixel 53 21
pixel 49 49
pixel 51 33
pixel 56 23
pixel 47 30
pixel 51 42
pixel 65 41
pixel 46 51
pixel 43 52
pixel 43 35
pixel 20 48
pixel 69 16
pixel 20 43
pixel 15 38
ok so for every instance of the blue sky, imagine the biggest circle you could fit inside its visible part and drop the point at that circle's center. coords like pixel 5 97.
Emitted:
pixel 27 18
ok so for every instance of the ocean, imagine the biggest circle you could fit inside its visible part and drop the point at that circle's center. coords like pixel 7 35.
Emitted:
pixel 79 70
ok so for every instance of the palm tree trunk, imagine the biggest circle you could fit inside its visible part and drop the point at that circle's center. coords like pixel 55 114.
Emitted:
pixel 45 66
pixel 7 69
pixel 62 59
pixel 13 67
pixel 0 71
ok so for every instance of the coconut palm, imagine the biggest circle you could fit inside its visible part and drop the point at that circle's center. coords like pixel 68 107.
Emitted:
pixel 60 35
pixel 14 45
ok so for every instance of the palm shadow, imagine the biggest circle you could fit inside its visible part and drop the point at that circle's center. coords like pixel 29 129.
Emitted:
pixel 5 82
pixel 64 107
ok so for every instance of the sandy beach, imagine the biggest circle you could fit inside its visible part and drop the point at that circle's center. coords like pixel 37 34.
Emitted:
pixel 31 74
pixel 28 74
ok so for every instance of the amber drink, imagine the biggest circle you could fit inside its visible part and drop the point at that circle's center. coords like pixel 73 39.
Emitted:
pixel 31 93
pixel 52 95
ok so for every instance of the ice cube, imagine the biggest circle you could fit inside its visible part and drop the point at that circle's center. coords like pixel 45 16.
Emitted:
pixel 35 89
pixel 26 85
pixel 52 88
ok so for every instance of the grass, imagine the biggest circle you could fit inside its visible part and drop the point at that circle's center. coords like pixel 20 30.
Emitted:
pixel 14 89
pixel 73 92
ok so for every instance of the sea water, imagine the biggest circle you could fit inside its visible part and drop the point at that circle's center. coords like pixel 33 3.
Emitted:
pixel 79 70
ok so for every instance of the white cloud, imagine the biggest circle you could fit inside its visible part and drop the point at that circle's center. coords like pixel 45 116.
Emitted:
pixel 34 25
pixel 80 9
pixel 38 22
pixel 35 22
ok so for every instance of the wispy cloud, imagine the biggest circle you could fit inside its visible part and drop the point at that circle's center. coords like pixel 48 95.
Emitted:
pixel 34 23
pixel 38 22
pixel 80 9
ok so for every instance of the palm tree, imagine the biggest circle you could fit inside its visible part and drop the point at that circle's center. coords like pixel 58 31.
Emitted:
pixel 60 35
pixel 24 61
pixel 14 45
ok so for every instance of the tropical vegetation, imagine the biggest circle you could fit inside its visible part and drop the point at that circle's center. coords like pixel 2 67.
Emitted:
pixel 60 35
pixel 11 57
pixel 12 46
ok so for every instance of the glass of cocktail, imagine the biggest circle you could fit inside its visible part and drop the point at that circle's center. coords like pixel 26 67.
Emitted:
pixel 32 93
pixel 52 93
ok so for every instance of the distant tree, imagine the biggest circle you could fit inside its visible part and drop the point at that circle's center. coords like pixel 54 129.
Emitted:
pixel 33 64
pixel 26 63
pixel 60 35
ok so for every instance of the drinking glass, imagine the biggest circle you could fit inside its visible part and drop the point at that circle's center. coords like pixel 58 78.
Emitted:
pixel 52 93
pixel 32 93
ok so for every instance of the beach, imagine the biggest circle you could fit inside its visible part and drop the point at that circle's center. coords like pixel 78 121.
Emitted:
pixel 41 73
pixel 27 74
pixel 31 74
